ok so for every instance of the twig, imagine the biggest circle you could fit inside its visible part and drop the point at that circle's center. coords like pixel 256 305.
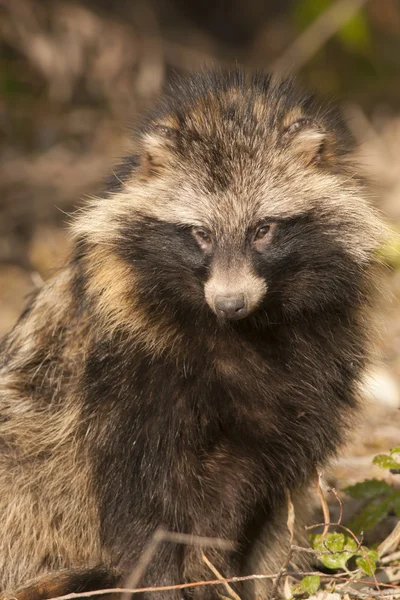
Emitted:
pixel 343 577
pixel 144 561
pixel 161 535
pixel 218 574
pixel 290 525
pixel 163 588
pixel 391 542
pixel 197 540
pixel 369 593
pixel 325 508
pixel 353 577
pixel 389 574
pixel 183 586
pixel 315 36
pixel 334 492
pixel 315 525
pixel 323 552
pixel 390 558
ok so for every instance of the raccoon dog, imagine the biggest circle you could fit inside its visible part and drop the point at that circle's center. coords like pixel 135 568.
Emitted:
pixel 201 353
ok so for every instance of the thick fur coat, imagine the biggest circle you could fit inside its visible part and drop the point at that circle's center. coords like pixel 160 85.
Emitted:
pixel 201 353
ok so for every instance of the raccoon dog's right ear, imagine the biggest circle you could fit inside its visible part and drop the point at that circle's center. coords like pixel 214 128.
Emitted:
pixel 157 146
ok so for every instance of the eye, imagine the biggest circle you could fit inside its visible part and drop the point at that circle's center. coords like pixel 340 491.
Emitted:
pixel 203 238
pixel 263 235
pixel 262 232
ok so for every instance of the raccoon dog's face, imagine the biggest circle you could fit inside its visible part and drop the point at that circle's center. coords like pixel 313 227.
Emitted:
pixel 242 203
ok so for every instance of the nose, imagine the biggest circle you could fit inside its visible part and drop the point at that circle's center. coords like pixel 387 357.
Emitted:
pixel 232 306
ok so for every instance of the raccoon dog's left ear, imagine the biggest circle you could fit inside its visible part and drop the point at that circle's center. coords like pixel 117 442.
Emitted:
pixel 306 139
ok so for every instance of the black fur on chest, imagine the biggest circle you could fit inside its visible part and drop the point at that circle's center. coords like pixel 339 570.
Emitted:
pixel 228 429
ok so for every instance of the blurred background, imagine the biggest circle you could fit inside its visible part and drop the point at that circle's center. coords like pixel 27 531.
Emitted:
pixel 75 73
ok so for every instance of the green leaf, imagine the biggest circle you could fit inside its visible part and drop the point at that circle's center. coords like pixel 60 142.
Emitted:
pixel 334 561
pixel 332 541
pixel 368 489
pixel 370 515
pixel 311 583
pixel 297 589
pixel 350 544
pixel 395 454
pixel 386 462
pixel 335 541
pixel 367 565
pixel 341 546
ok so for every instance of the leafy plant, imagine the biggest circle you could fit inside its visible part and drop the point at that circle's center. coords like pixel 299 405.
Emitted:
pixel 341 551
pixel 388 461
pixel 308 585
pixel 336 549
pixel 382 497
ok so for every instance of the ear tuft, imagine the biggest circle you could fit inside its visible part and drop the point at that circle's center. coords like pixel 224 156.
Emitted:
pixel 306 139
pixel 157 148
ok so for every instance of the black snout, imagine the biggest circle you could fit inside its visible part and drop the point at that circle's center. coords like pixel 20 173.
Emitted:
pixel 233 306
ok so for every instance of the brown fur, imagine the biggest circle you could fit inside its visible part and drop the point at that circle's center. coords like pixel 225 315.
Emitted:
pixel 126 403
